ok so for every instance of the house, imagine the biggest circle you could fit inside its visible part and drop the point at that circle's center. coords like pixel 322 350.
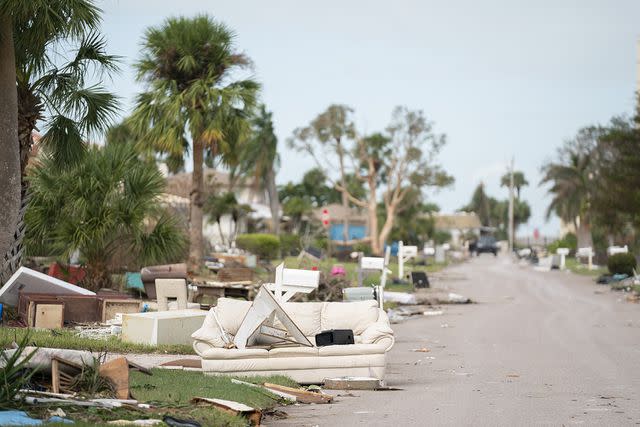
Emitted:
pixel 459 225
pixel 356 219
pixel 176 197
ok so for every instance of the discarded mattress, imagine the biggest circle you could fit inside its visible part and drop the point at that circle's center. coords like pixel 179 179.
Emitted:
pixel 28 280
pixel 307 365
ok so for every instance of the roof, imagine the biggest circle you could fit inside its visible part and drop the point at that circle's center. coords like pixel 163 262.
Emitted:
pixel 457 221
pixel 180 183
pixel 337 213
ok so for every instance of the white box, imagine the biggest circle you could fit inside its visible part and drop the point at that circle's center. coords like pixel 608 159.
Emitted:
pixel 162 327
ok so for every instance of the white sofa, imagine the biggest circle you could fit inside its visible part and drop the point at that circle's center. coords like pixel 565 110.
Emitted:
pixel 373 337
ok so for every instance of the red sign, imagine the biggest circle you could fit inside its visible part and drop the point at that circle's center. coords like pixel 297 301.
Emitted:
pixel 536 234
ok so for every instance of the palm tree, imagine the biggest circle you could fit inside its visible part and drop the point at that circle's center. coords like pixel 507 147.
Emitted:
pixel 259 158
pixel 519 181
pixel 105 204
pixel 189 65
pixel 217 206
pixel 571 192
pixel 10 159
pixel 53 88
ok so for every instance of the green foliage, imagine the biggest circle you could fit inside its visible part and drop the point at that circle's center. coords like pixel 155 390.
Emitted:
pixel 622 264
pixel 364 248
pixel 13 375
pixel 61 62
pixel 519 181
pixel 187 65
pixel 441 236
pixel 107 203
pixel 569 241
pixel 265 246
pixel 290 244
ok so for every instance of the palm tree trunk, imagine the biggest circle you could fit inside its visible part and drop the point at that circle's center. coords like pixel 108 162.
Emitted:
pixel 10 158
pixel 195 215
pixel 274 202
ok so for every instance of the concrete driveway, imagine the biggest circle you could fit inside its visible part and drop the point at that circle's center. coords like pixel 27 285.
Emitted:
pixel 538 349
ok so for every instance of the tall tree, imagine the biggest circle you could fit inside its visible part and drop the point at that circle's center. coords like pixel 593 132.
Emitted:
pixel 617 182
pixel 332 130
pixel 259 159
pixel 193 103
pixel 63 90
pixel 388 165
pixel 572 183
pixel 10 159
pixel 481 204
pixel 519 181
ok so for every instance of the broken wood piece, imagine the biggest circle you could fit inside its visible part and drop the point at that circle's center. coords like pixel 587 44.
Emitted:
pixel 302 395
pixel 421 350
pixel 117 372
pixel 137 367
pixel 61 380
pixel 352 383
pixel 234 408
pixel 184 363
pixel 283 395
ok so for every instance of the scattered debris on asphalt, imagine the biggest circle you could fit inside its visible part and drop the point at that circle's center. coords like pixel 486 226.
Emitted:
pixel 352 383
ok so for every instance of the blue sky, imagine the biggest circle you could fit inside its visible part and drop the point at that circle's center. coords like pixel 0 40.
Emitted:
pixel 500 78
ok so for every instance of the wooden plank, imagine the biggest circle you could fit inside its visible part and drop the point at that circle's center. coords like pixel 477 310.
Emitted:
pixel 302 395
pixel 49 316
pixel 117 371
pixel 234 408
pixel 55 376
pixel 352 383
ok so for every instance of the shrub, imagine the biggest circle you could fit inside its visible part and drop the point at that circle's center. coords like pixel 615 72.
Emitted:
pixel 365 248
pixel 290 244
pixel 568 241
pixel 622 264
pixel 265 246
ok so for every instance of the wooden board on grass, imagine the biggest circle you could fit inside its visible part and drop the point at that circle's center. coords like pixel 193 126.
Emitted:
pixel 234 408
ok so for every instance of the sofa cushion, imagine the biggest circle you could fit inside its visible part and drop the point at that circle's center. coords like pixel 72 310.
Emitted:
pixel 356 316
pixel 210 332
pixel 351 349
pixel 231 313
pixel 235 353
pixel 294 352
pixel 306 315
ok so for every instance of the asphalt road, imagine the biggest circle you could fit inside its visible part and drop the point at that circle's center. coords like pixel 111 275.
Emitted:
pixel 537 349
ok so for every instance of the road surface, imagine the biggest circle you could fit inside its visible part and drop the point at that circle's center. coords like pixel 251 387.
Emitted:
pixel 537 349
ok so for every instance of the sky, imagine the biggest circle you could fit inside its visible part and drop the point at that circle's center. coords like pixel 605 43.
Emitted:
pixel 502 79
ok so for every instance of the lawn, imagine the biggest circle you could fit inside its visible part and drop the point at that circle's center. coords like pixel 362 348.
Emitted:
pixel 170 392
pixel 67 338
pixel 577 267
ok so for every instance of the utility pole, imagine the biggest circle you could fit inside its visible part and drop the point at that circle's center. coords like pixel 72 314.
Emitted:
pixel 511 207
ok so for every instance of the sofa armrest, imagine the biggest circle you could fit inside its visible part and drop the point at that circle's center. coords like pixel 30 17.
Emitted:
pixel 379 332
pixel 201 347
